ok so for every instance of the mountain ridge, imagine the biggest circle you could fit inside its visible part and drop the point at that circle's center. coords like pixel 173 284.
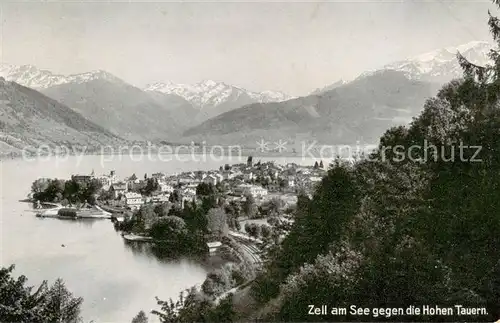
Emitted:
pixel 361 109
pixel 30 120
pixel 123 109
pixel 440 65
pixel 33 77
pixel 212 93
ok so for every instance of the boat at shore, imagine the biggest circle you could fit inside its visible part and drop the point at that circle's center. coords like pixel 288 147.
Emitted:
pixel 49 213
pixel 136 238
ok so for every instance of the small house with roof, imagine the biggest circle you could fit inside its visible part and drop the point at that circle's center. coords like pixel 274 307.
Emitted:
pixel 133 200
pixel 213 247
pixel 118 189
pixel 210 180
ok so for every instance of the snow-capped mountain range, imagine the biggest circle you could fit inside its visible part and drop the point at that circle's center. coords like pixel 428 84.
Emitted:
pixel 441 65
pixel 212 93
pixel 203 94
pixel 437 66
pixel 31 76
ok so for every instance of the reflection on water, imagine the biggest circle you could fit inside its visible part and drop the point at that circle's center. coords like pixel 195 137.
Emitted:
pixel 115 279
pixel 162 254
pixel 142 249
pixel 86 223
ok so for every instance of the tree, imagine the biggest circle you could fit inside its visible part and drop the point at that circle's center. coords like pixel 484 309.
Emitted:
pixel 321 164
pixel 60 305
pixel 48 190
pixel 21 303
pixel 175 197
pixel 253 229
pixel 237 225
pixel 317 226
pixel 217 282
pixel 233 209
pixel 282 183
pixel 169 228
pixel 195 218
pixel 192 306
pixel 151 186
pixel 204 189
pixel 208 203
pixel 316 165
pixel 162 209
pixel 146 216
pixel 275 205
pixel 249 207
pixel 140 318
pixel 40 185
pixel 217 222
pixel 265 231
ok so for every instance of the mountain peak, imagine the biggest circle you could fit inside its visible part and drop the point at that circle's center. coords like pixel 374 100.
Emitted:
pixel 329 87
pixel 209 83
pixel 440 65
pixel 33 77
pixel 93 75
pixel 213 93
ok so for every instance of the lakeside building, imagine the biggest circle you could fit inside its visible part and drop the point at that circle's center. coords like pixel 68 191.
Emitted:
pixel 159 176
pixel 254 190
pixel 188 191
pixel 160 198
pixel 166 188
pixel 210 180
pixel 213 247
pixel 118 189
pixel 81 179
pixel 189 178
pixel 133 200
pixel 107 180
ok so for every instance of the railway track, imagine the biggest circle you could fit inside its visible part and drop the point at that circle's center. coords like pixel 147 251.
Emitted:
pixel 249 248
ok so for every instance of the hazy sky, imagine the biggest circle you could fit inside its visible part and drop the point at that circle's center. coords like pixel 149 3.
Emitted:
pixel 291 47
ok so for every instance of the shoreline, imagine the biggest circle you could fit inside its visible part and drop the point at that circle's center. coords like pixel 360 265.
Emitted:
pixel 205 151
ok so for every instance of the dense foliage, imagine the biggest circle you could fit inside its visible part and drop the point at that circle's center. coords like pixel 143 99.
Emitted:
pixel 396 230
pixel 22 303
pixel 140 318
pixel 70 191
pixel 416 225
pixel 193 306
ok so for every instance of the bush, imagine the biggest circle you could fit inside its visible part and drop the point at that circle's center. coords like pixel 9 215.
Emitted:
pixel 254 230
pixel 265 231
pixel 237 225
pixel 237 276
pixel 218 281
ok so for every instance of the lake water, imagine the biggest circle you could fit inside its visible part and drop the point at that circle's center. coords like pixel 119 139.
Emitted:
pixel 115 280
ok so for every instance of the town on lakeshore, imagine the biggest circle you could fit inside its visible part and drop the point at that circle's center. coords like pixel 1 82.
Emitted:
pixel 253 193
pixel 250 161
